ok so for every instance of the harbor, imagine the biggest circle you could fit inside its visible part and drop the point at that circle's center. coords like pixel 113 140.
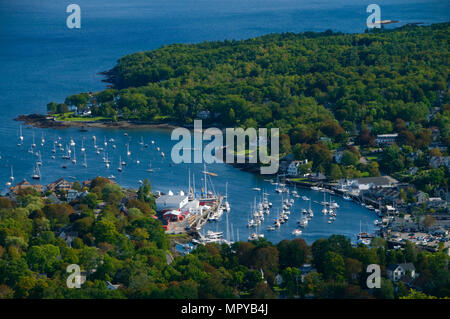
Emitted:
pixel 128 157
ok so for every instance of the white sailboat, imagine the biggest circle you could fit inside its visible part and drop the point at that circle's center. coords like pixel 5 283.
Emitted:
pixel 84 162
pixel 74 160
pixel 12 175
pixel 33 145
pixel 67 155
pixel 39 161
pixel 324 210
pixel 120 164
pixel 36 173
pixel 150 169
pixel 20 136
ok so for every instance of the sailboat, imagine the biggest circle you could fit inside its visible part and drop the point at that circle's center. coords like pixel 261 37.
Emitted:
pixel 42 139
pixel 12 175
pixel 226 204
pixel 33 145
pixel 82 146
pixel 278 189
pixel 208 198
pixel 324 210
pixel 36 173
pixel 128 150
pixel 150 169
pixel 39 161
pixel 310 211
pixel 67 155
pixel 120 164
pixel 84 162
pixel 74 160
pixel 20 136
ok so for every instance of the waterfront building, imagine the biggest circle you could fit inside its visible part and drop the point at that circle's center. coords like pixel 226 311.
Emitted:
pixel 170 202
pixel 365 183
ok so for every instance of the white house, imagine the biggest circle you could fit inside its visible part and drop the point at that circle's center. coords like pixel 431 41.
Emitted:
pixel 72 195
pixel 397 271
pixel 365 183
pixel 386 139
pixel 292 169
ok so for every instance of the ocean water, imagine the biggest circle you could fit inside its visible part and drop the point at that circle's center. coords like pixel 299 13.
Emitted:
pixel 41 60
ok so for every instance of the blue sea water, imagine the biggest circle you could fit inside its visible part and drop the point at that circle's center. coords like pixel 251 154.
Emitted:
pixel 41 60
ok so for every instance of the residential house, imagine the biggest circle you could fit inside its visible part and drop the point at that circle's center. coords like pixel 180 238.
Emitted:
pixel 292 169
pixel 205 114
pixel 111 286
pixel 385 139
pixel 305 270
pixel 436 202
pixel 72 195
pixel 53 198
pixel 437 161
pixel 59 185
pixel 397 271
pixel 68 237
pixel 23 185
pixel 421 197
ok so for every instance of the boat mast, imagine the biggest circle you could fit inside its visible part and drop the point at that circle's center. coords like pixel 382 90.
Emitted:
pixel 206 189
pixel 193 177
pixel 189 186
pixel 228 235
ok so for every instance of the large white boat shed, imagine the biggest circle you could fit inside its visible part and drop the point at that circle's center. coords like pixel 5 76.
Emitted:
pixel 171 202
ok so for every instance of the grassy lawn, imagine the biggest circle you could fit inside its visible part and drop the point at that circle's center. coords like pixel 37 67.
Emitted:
pixel 299 179
pixel 162 117
pixel 178 236
pixel 70 117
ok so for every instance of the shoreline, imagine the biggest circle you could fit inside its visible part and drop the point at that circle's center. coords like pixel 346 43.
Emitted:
pixel 44 121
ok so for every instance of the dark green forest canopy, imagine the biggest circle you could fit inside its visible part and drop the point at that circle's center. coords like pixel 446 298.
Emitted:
pixel 286 80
